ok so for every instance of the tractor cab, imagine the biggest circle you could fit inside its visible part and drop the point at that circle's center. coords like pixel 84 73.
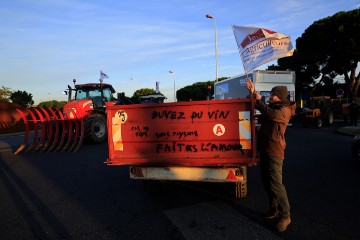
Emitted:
pixel 99 93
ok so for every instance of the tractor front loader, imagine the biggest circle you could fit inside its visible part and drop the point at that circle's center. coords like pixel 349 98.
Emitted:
pixel 81 119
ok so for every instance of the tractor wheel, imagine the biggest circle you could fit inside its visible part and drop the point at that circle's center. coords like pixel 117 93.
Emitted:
pixel 95 128
pixel 241 187
pixel 318 122
pixel 329 119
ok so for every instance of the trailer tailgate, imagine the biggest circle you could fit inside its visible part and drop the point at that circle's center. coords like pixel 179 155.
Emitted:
pixel 198 133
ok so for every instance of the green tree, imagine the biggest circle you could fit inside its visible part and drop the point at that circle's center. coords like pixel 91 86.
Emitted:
pixel 52 104
pixel 5 94
pixel 22 98
pixel 142 92
pixel 196 91
pixel 328 48
pixel 305 76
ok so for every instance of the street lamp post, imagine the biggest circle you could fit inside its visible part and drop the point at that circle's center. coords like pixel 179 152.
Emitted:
pixel 216 48
pixel 171 72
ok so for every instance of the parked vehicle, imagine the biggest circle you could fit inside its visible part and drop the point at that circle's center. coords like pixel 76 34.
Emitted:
pixel 264 81
pixel 319 112
pixel 89 104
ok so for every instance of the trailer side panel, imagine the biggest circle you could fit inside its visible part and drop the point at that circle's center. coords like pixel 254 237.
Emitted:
pixel 201 133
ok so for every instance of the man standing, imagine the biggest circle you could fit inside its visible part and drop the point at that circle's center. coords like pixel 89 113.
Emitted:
pixel 271 146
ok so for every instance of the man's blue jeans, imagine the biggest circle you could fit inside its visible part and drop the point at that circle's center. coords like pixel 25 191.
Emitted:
pixel 271 175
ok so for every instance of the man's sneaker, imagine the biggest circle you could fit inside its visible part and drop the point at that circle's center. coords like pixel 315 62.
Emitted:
pixel 271 214
pixel 283 224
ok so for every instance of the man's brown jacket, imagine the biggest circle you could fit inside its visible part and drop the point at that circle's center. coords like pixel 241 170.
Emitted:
pixel 274 120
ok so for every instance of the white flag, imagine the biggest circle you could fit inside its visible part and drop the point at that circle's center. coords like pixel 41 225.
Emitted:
pixel 259 45
pixel 103 75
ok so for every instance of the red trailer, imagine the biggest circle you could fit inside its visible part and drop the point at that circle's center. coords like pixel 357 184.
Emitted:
pixel 212 141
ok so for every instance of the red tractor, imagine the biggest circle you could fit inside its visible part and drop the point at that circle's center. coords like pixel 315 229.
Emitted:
pixel 89 104
pixel 81 119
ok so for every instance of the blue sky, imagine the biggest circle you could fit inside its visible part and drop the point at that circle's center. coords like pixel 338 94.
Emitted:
pixel 44 44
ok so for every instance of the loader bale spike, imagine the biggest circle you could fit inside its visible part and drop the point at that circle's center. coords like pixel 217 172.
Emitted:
pixel 82 132
pixel 34 120
pixel 79 135
pixel 22 146
pixel 76 135
pixel 64 128
pixel 43 129
pixel 49 131
pixel 57 129
pixel 70 131
pixel 79 132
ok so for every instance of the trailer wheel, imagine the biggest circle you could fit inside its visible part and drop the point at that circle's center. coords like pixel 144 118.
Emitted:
pixel 241 187
pixel 95 128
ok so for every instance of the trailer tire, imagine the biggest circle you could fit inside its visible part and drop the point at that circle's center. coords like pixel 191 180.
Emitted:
pixel 95 128
pixel 241 187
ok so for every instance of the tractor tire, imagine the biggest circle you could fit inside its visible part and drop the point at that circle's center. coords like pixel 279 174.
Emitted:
pixel 329 119
pixel 241 187
pixel 95 129
pixel 318 122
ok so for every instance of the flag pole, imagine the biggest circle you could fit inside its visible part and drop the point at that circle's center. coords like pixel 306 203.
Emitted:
pixel 242 60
